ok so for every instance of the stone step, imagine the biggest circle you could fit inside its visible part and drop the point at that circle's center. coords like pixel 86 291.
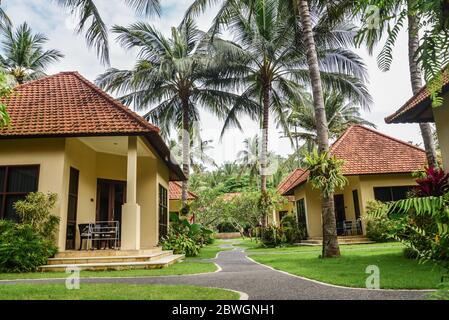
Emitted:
pixel 109 259
pixel 341 240
pixel 106 253
pixel 105 266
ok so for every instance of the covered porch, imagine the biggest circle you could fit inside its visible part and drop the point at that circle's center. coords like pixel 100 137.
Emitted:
pixel 117 195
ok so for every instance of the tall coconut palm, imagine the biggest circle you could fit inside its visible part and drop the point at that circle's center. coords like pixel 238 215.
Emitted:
pixel 340 114
pixel 330 241
pixel 416 81
pixel 22 54
pixel 271 70
pixel 93 26
pixel 304 51
pixel 249 158
pixel 199 159
pixel 170 73
pixel 403 11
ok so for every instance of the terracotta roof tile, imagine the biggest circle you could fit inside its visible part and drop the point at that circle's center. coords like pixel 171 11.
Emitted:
pixel 68 104
pixel 295 178
pixel 175 192
pixel 367 151
pixel 423 96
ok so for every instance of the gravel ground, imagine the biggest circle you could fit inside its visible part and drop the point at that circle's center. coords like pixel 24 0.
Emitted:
pixel 259 282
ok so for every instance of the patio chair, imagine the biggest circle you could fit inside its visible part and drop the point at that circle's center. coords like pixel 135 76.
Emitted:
pixel 348 226
pixel 85 233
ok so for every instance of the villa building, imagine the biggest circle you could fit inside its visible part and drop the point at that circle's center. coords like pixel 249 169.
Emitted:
pixel 378 167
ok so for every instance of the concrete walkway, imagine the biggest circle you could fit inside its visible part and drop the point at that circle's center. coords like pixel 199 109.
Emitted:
pixel 259 282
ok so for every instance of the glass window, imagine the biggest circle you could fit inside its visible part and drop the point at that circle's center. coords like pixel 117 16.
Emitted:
pixel 22 179
pixel 400 193
pixel 301 211
pixel 10 213
pixel 387 194
pixel 15 183
pixel 2 179
pixel 163 212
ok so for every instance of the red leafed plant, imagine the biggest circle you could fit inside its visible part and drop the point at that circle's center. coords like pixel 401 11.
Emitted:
pixel 435 183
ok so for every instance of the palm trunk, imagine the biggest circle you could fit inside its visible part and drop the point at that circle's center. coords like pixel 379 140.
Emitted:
pixel 264 150
pixel 330 240
pixel 416 81
pixel 185 148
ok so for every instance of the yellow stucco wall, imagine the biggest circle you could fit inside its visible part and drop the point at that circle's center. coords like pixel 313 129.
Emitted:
pixel 289 207
pixel 49 155
pixel 56 156
pixel 441 115
pixel 363 184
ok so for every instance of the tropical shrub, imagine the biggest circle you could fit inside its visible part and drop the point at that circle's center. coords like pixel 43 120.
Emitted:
pixel 378 224
pixel 22 249
pixel 293 231
pixel 435 182
pixel 272 236
pixel 423 226
pixel 35 210
pixel 186 238
pixel 180 243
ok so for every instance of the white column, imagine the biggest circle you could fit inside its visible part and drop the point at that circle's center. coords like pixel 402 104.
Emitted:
pixel 131 210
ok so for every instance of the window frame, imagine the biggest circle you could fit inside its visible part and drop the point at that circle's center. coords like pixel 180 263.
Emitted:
pixel 391 193
pixel 4 194
pixel 162 210
pixel 304 209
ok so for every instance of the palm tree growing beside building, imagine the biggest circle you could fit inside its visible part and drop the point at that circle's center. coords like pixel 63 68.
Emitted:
pixel 173 77
pixel 340 113
pixel 22 53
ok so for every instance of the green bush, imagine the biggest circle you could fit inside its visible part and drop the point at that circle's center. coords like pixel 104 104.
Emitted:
pixel 22 249
pixel 180 243
pixel 272 236
pixel 293 231
pixel 378 224
pixel 35 210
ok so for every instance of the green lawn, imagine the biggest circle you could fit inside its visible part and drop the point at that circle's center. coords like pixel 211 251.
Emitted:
pixel 396 272
pixel 176 269
pixel 112 292
pixel 209 251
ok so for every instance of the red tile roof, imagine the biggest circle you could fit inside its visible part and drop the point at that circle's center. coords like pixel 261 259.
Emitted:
pixel 175 192
pixel 68 105
pixel 295 178
pixel 418 107
pixel 367 151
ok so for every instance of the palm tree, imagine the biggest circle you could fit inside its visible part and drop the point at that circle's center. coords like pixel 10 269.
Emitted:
pixel 416 81
pixel 308 61
pixel 22 54
pixel 271 70
pixel 402 11
pixel 92 24
pixel 340 115
pixel 330 240
pixel 199 159
pixel 171 73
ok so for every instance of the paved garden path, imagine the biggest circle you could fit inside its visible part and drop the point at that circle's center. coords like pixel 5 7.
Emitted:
pixel 259 282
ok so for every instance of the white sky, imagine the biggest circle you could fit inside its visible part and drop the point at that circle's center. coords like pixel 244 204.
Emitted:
pixel 389 90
